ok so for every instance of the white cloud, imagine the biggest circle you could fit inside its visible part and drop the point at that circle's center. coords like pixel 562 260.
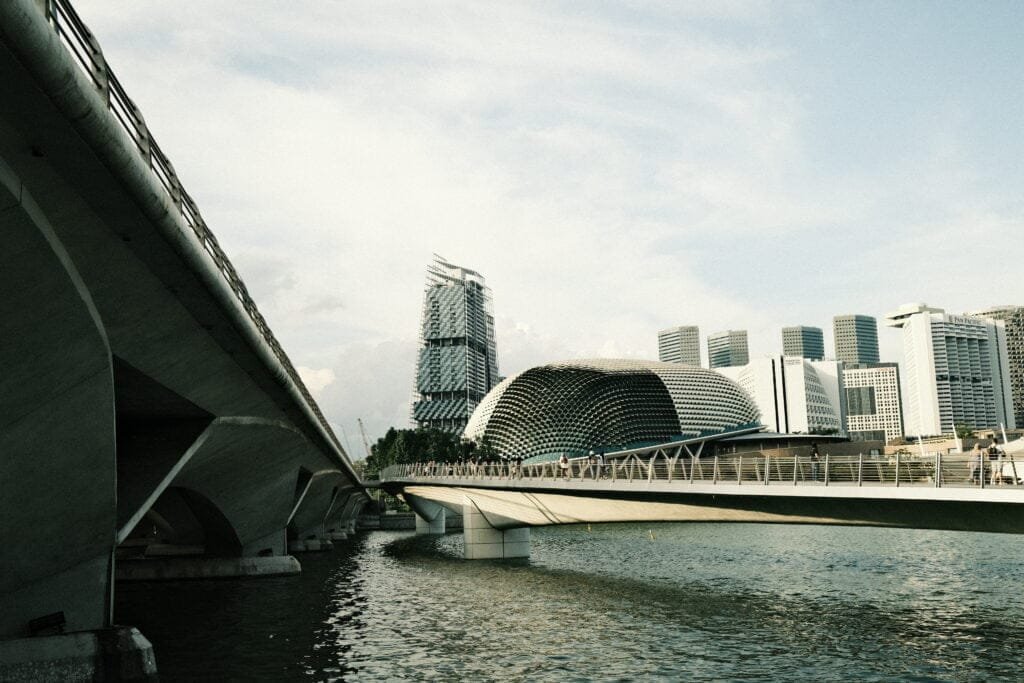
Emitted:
pixel 610 171
pixel 316 380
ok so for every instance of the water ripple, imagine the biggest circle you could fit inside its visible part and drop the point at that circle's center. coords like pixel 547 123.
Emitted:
pixel 697 602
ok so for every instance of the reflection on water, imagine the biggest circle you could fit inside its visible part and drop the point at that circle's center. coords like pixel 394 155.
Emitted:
pixel 695 602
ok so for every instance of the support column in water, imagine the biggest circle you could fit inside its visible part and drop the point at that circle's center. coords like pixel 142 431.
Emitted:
pixel 484 542
pixel 434 526
pixel 430 516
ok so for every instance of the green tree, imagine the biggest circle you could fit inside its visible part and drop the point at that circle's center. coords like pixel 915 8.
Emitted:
pixel 964 431
pixel 401 446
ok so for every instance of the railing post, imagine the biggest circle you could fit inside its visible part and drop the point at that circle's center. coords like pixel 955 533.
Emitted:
pixel 714 471
pixel 739 470
pixel 767 470
pixel 897 469
pixel 826 469
pixel 860 469
pixel 796 466
pixel 938 469
pixel 650 469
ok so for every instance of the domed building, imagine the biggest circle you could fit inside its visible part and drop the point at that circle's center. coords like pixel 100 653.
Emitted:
pixel 574 406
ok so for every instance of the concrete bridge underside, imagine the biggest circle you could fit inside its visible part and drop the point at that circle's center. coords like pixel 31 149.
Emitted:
pixel 141 411
pixel 518 503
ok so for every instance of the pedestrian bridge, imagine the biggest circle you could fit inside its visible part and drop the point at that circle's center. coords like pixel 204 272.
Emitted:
pixel 670 483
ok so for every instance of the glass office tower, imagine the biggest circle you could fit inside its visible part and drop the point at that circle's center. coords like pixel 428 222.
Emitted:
pixel 680 345
pixel 805 342
pixel 856 338
pixel 729 348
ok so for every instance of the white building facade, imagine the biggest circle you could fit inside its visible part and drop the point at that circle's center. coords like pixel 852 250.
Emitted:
pixel 874 410
pixel 956 371
pixel 680 345
pixel 795 395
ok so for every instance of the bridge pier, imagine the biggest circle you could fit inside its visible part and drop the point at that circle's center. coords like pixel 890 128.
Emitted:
pixel 485 542
pixel 119 653
pixel 430 516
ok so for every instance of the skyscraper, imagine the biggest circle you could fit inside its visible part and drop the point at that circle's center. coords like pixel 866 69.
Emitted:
pixel 805 342
pixel 680 345
pixel 458 361
pixel 728 348
pixel 1013 319
pixel 856 338
pixel 955 369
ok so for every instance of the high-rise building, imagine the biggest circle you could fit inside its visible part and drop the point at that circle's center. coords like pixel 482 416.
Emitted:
pixel 874 411
pixel 727 349
pixel 955 369
pixel 458 360
pixel 1013 319
pixel 805 342
pixel 856 338
pixel 680 345
pixel 795 395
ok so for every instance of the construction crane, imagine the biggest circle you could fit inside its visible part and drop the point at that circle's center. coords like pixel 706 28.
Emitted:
pixel 362 430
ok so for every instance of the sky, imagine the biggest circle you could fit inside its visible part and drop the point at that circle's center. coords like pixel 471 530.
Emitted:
pixel 612 169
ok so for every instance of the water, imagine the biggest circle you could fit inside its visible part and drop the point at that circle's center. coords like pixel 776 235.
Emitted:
pixel 696 602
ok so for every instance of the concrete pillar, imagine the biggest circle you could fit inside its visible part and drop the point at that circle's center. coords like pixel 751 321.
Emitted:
pixel 58 456
pixel 484 542
pixel 176 568
pixel 430 516
pixel 431 526
pixel 119 653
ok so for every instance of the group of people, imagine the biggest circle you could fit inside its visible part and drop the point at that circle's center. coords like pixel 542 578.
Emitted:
pixel 593 468
pixel 977 467
pixel 473 464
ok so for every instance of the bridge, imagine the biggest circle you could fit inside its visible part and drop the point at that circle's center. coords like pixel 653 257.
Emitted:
pixel 151 425
pixel 673 483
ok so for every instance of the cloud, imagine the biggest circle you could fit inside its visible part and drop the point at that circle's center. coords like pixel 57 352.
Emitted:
pixel 610 170
pixel 316 380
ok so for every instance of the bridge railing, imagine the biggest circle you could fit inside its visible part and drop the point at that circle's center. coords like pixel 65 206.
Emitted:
pixel 82 45
pixel 935 470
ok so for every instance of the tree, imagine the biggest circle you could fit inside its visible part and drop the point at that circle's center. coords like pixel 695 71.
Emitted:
pixel 964 431
pixel 401 446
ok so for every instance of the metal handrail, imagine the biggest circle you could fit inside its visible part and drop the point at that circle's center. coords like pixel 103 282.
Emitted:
pixel 80 43
pixel 933 470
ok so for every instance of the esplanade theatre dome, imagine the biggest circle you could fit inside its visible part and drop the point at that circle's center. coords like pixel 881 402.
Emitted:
pixel 574 406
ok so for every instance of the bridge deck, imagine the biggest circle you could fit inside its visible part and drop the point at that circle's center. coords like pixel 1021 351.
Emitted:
pixel 940 492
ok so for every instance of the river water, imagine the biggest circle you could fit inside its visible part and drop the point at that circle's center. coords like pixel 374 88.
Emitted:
pixel 612 602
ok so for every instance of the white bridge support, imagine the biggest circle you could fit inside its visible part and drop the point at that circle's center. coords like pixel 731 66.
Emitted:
pixel 435 526
pixel 430 516
pixel 485 542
